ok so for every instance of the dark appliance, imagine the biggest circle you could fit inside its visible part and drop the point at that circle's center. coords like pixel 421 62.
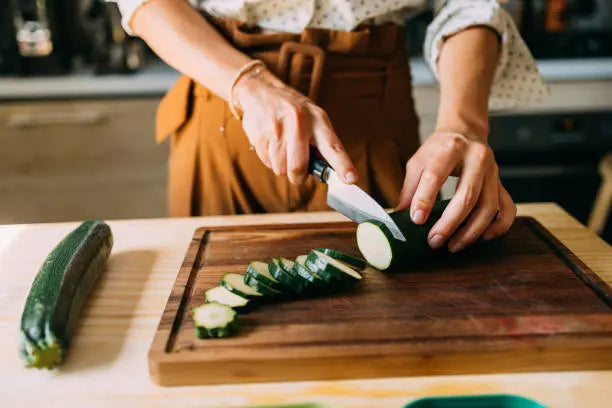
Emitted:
pixel 39 37
pixel 567 28
pixel 553 157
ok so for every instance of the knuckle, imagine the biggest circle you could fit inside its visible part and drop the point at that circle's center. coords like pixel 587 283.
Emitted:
pixel 431 178
pixel 513 211
pixel 336 145
pixel 455 143
pixel 296 111
pixel 482 155
pixel 469 197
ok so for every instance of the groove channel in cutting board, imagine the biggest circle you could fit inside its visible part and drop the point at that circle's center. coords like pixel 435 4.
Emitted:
pixel 520 303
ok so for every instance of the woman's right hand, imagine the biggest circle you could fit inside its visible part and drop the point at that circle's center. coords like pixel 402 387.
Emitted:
pixel 282 124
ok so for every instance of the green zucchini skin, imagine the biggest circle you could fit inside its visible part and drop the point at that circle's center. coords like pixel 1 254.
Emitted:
pixel 354 262
pixel 226 329
pixel 262 287
pixel 290 283
pixel 59 292
pixel 416 245
pixel 335 278
pixel 315 283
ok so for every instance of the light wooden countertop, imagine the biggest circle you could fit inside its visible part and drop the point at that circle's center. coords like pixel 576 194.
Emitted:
pixel 107 364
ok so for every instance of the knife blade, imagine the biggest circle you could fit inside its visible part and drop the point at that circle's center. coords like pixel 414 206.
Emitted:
pixel 349 199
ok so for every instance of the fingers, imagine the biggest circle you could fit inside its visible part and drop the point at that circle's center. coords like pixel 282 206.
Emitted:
pixel 261 148
pixel 505 216
pixel 297 148
pixel 435 174
pixel 481 216
pixel 257 139
pixel 465 198
pixel 331 148
pixel 411 182
pixel 276 148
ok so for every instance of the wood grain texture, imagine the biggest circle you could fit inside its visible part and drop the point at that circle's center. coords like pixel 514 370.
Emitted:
pixel 522 303
pixel 107 363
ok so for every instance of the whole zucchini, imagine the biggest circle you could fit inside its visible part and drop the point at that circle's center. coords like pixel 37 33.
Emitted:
pixel 383 251
pixel 59 292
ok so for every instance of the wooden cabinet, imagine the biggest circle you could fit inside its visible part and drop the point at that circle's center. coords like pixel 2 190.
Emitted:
pixel 80 159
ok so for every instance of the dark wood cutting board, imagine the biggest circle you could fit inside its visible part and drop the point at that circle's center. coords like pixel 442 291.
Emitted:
pixel 521 303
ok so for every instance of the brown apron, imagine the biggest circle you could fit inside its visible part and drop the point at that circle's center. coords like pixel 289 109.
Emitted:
pixel 360 78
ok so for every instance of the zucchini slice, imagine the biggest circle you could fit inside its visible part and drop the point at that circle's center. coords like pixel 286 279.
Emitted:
pixel 214 320
pixel 383 251
pixel 261 287
pixel 223 296
pixel 352 261
pixel 290 282
pixel 309 276
pixel 259 270
pixel 331 269
pixel 59 292
pixel 234 282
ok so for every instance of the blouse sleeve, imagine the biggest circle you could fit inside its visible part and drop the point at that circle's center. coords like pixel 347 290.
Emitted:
pixel 516 80
pixel 127 9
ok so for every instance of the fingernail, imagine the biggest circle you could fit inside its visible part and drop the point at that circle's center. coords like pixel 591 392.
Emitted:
pixel 418 217
pixel 488 236
pixel 436 241
pixel 350 177
pixel 455 247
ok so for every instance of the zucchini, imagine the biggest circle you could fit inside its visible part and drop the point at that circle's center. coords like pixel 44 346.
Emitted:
pixel 234 282
pixel 259 270
pixel 309 276
pixel 352 261
pixel 295 284
pixel 331 269
pixel 289 267
pixel 383 251
pixel 59 292
pixel 214 320
pixel 261 287
pixel 223 296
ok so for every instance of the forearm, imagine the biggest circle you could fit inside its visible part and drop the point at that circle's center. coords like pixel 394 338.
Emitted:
pixel 187 42
pixel 466 66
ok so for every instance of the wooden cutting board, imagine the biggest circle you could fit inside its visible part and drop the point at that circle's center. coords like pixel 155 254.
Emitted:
pixel 521 303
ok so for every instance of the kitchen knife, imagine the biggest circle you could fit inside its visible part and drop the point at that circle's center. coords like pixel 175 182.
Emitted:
pixel 349 199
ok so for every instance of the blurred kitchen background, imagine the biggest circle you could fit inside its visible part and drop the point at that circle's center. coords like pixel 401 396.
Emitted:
pixel 78 99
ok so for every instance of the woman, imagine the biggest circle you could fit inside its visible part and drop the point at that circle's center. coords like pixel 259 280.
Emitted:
pixel 262 57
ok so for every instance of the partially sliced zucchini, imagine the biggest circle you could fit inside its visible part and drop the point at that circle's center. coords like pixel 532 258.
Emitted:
pixel 352 261
pixel 383 251
pixel 305 273
pixel 290 282
pixel 259 270
pixel 261 287
pixel 331 269
pixel 221 295
pixel 374 244
pixel 214 320
pixel 234 282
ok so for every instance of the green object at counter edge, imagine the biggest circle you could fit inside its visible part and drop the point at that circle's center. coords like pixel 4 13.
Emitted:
pixel 475 401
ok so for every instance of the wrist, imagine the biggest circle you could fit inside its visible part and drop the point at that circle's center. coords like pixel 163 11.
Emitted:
pixel 470 124
pixel 250 84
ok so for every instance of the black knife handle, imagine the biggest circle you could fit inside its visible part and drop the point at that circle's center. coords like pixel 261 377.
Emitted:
pixel 316 166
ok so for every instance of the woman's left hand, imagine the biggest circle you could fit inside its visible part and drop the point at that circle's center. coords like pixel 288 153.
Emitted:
pixel 480 200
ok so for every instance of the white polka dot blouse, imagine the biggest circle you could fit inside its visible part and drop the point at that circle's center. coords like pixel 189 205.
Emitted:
pixel 517 80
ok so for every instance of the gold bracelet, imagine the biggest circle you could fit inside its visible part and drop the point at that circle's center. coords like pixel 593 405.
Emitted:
pixel 245 68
